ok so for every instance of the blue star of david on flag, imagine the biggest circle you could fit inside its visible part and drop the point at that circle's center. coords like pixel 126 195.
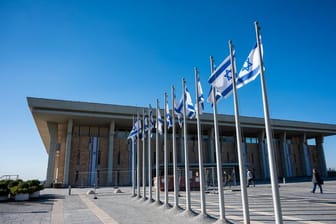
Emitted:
pixel 247 65
pixel 221 80
pixel 228 74
pixel 135 130
pixel 168 117
pixel 251 68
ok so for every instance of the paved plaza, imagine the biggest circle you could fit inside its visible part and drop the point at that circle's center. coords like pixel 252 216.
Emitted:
pixel 56 206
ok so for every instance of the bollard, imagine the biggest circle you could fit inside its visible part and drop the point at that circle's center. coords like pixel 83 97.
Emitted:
pixel 284 180
pixel 95 196
pixel 69 190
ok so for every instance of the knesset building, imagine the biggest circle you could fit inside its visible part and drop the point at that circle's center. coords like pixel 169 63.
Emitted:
pixel 88 140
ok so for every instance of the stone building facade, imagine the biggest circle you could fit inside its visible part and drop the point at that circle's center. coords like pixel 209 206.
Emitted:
pixel 87 144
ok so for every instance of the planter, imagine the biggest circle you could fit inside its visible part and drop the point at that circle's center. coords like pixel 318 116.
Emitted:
pixel 22 197
pixel 3 197
pixel 35 194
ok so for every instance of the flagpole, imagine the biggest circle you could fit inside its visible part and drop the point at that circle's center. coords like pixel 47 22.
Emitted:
pixel 186 156
pixel 133 163
pixel 149 154
pixel 271 157
pixel 200 151
pixel 218 155
pixel 144 156
pixel 157 155
pixel 138 159
pixel 239 141
pixel 165 150
pixel 176 190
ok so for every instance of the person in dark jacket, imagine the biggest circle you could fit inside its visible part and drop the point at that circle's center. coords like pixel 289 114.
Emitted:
pixel 317 180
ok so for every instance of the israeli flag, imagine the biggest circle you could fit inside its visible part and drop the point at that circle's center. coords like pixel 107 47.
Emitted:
pixel 178 111
pixel 200 97
pixel 251 68
pixel 146 126
pixel 151 121
pixel 135 130
pixel 190 109
pixel 221 79
pixel 168 117
pixel 159 122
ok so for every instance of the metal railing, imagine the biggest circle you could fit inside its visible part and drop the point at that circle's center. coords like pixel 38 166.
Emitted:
pixel 9 177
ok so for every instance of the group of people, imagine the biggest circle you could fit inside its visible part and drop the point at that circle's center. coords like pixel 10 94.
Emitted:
pixel 227 178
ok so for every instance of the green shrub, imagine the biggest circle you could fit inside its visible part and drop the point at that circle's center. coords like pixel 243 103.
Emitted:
pixel 22 187
pixel 19 186
pixel 34 185
pixel 4 190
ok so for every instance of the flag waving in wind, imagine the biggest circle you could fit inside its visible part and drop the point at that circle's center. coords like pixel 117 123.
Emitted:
pixel 251 68
pixel 146 126
pixel 135 130
pixel 178 111
pixel 221 79
pixel 151 121
pixel 200 97
pixel 190 109
pixel 159 122
pixel 169 117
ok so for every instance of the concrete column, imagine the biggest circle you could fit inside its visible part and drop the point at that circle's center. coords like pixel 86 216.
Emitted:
pixel 305 155
pixel 288 157
pixel 244 151
pixel 264 155
pixel 110 154
pixel 284 156
pixel 319 146
pixel 67 153
pixel 212 146
pixel 52 128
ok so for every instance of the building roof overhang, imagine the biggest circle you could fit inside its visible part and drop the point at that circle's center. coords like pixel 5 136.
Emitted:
pixel 93 114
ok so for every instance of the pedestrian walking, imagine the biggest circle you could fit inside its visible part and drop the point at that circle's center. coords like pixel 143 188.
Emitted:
pixel 317 181
pixel 249 178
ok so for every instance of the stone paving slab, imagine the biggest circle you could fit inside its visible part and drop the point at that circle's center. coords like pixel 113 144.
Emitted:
pixel 56 206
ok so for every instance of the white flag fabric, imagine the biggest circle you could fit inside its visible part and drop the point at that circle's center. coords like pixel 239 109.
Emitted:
pixel 200 97
pixel 251 68
pixel 135 130
pixel 146 126
pixel 151 122
pixel 159 122
pixel 178 111
pixel 190 109
pixel 168 117
pixel 221 79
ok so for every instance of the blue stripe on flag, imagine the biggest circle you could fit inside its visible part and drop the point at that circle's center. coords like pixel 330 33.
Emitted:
pixel 248 76
pixel 218 72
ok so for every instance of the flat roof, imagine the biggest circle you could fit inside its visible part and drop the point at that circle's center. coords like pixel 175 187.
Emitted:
pixel 97 114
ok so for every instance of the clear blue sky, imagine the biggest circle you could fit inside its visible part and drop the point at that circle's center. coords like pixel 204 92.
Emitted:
pixel 131 52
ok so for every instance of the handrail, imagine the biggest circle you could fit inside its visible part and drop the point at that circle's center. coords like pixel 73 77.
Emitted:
pixel 9 177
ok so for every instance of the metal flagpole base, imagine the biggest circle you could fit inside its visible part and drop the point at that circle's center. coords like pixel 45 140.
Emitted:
pixel 204 218
pixel 223 221
pixel 150 201
pixel 144 199
pixel 189 213
pixel 175 210
pixel 157 203
pixel 166 206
